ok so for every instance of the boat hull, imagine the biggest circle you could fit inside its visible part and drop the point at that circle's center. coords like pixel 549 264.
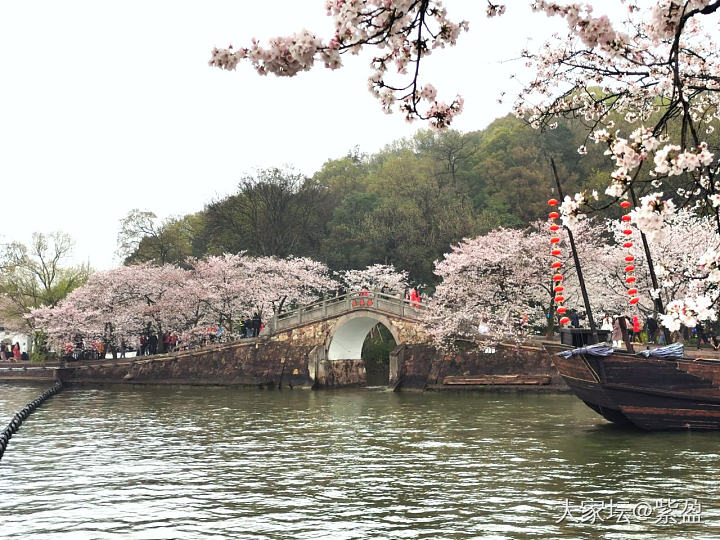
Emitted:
pixel 662 394
pixel 580 373
pixel 650 393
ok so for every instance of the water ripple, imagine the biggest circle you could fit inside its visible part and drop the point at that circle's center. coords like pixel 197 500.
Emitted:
pixel 189 462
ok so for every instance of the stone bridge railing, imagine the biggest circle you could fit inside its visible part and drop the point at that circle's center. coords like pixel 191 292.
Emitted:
pixel 346 303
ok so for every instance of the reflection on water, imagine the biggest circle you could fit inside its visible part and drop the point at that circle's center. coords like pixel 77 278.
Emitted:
pixel 199 462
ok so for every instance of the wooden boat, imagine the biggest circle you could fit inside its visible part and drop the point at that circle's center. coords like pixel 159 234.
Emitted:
pixel 580 373
pixel 658 389
pixel 653 390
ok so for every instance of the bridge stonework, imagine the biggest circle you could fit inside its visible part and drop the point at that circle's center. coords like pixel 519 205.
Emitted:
pixel 321 345
pixel 334 331
pixel 315 345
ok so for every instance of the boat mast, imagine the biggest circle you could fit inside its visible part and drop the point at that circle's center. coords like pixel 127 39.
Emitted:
pixel 578 269
pixel 657 301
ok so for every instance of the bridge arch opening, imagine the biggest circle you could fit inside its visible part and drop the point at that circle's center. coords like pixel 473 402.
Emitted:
pixel 368 338
pixel 348 337
pixel 379 343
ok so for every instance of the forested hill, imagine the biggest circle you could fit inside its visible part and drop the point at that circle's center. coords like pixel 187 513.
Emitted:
pixel 404 205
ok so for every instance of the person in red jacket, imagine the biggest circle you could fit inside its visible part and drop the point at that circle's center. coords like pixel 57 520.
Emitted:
pixel 16 351
pixel 636 328
pixel 414 298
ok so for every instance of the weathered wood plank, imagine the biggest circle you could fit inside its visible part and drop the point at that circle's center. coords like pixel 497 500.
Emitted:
pixel 497 379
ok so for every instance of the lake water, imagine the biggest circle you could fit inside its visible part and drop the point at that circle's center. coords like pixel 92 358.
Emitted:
pixel 203 462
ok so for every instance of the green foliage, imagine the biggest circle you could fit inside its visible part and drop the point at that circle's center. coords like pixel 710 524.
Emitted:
pixel 39 357
pixel 404 205
pixel 34 275
pixel 39 352
pixel 376 350
pixel 274 213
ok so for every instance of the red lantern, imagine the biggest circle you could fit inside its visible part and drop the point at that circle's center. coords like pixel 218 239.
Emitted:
pixel 556 264
pixel 559 299
pixel 553 215
pixel 629 258
pixel 630 279
pixel 554 227
pixel 558 288
pixel 561 309
pixel 626 218
pixel 625 204
pixel 634 300
pixel 556 252
pixel 554 240
pixel 627 231
pixel 565 320
pixel 632 291
pixel 553 202
pixel 630 268
pixel 628 245
pixel 557 277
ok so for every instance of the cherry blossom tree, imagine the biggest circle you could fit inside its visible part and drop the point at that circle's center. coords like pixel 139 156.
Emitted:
pixel 485 279
pixel 114 305
pixel 500 277
pixel 656 70
pixel 683 251
pixel 293 280
pixel 375 277
pixel 234 286
pixel 123 303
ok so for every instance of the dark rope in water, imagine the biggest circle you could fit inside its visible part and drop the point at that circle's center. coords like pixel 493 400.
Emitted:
pixel 22 414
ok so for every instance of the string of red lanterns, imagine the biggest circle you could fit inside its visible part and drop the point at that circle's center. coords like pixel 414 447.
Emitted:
pixel 630 278
pixel 555 251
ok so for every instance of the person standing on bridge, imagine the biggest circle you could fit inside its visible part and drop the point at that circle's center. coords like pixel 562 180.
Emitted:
pixel 415 298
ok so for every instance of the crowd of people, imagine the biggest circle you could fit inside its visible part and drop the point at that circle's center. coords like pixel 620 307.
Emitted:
pixel 251 327
pixel 148 343
pixel 411 294
pixel 625 329
pixel 12 353
pixel 151 343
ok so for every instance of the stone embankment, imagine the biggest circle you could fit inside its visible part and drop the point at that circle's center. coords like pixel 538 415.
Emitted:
pixel 283 364
pixel 485 367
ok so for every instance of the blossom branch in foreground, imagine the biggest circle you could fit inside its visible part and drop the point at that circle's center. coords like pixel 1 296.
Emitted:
pixel 403 31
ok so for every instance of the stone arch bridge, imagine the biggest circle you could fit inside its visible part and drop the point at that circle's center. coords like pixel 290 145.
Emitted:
pixel 335 329
pixel 317 344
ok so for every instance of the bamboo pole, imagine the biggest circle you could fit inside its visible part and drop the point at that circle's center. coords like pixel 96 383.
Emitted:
pixel 576 259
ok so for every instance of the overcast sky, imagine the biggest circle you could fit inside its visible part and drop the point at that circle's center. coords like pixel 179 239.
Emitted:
pixel 107 106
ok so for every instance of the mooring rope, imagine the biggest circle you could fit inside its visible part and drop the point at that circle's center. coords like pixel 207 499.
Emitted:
pixel 22 414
